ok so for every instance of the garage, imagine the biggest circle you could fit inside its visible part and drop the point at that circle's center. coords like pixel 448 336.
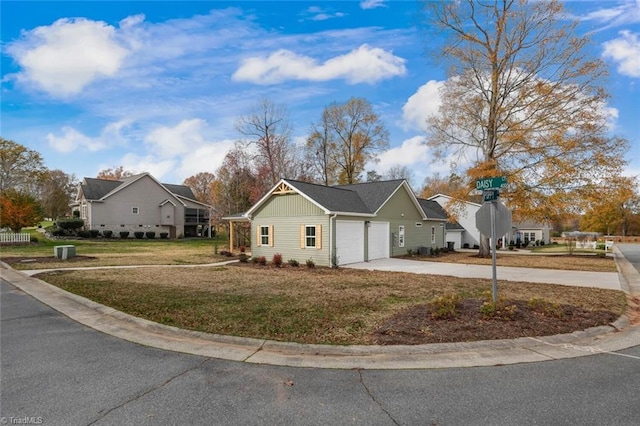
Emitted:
pixel 378 242
pixel 349 241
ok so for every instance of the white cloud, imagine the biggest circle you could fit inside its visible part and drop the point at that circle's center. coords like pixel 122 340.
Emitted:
pixel 625 51
pixel 207 158
pixel 71 139
pixel 149 163
pixel 620 15
pixel 362 65
pixel 178 140
pixel 425 102
pixel 65 57
pixel 371 4
pixel 411 152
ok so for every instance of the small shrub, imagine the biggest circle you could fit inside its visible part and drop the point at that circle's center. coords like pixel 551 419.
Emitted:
pixel 243 258
pixel 215 248
pixel 254 259
pixel 124 234
pixel 277 260
pixel 545 307
pixel 94 233
pixel 84 234
pixel 164 235
pixel 294 263
pixel 34 239
pixel 57 232
pixel 410 252
pixel 262 260
pixel 107 233
pixel 465 245
pixel 499 310
pixel 226 253
pixel 242 249
pixel 150 235
pixel 70 224
pixel 139 235
pixel 444 307
pixel 311 263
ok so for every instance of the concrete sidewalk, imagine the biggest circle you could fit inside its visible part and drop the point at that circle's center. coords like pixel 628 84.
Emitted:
pixel 598 340
pixel 606 280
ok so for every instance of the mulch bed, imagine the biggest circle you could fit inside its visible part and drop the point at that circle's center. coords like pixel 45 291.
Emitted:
pixel 415 325
pixel 45 259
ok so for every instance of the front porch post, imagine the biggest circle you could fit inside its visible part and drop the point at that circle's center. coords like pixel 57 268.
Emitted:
pixel 231 235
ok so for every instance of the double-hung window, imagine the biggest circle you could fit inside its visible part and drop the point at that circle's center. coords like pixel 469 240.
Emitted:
pixel 310 236
pixel 264 235
pixel 433 234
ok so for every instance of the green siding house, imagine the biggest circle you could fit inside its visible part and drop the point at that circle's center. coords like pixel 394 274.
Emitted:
pixel 338 225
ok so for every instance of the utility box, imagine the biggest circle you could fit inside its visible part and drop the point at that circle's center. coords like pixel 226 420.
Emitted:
pixel 64 252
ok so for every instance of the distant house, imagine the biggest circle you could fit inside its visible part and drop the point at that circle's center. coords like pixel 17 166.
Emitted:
pixel 141 203
pixel 463 233
pixel 338 225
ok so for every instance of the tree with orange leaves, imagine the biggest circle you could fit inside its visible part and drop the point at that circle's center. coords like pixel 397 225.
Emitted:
pixel 524 100
pixel 18 210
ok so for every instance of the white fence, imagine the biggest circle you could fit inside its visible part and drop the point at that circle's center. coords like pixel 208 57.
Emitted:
pixel 11 238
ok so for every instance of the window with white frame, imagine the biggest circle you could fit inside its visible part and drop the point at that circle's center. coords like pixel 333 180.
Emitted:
pixel 83 213
pixel 310 236
pixel 264 235
pixel 135 210
pixel 401 236
pixel 433 234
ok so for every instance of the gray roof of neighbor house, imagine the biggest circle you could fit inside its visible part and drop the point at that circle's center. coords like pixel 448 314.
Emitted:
pixel 432 209
pixel 95 189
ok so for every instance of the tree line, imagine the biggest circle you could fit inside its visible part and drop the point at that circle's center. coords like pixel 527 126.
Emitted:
pixel 523 99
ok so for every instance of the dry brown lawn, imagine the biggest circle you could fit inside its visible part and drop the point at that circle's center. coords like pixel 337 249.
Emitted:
pixel 337 306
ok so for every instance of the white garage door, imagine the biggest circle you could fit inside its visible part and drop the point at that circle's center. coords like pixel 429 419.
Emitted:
pixel 378 240
pixel 349 241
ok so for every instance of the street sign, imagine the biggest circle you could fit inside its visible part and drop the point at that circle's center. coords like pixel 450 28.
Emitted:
pixel 502 217
pixel 491 183
pixel 490 195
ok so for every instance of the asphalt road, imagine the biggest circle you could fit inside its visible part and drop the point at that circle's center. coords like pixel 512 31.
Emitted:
pixel 631 253
pixel 57 372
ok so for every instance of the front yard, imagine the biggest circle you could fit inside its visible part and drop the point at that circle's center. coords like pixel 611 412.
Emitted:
pixel 322 305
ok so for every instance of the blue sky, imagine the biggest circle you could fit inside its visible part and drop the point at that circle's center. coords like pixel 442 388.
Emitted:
pixel 157 85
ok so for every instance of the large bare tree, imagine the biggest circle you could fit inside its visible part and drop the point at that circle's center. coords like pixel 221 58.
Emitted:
pixel 523 99
pixel 267 128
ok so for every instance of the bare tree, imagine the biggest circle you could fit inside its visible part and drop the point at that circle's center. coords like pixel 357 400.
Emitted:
pixel 401 172
pixel 525 99
pixel 57 191
pixel 267 127
pixel 115 173
pixel 321 151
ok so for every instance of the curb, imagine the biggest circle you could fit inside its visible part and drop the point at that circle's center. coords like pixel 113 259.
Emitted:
pixel 603 339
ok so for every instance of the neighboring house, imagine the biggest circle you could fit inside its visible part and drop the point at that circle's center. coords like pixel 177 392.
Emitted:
pixel 464 232
pixel 141 203
pixel 338 225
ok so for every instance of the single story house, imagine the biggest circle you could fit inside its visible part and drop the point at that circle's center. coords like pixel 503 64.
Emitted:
pixel 338 225
pixel 141 203
pixel 463 232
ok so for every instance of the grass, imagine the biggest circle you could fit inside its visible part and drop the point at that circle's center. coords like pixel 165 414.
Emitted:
pixel 321 305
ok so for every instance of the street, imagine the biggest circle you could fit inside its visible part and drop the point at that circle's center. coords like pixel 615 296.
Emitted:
pixel 58 372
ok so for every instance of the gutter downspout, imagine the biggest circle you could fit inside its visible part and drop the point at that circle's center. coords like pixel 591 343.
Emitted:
pixel 331 245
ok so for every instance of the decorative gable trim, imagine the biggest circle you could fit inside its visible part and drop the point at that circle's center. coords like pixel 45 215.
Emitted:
pixel 282 188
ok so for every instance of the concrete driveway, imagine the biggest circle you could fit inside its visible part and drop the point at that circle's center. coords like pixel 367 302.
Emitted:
pixel 606 280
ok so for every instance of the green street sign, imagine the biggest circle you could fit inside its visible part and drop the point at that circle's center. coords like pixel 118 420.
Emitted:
pixel 491 183
pixel 490 195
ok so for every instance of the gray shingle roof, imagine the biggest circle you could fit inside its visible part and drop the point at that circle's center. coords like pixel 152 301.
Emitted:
pixel 374 194
pixel 332 198
pixel 432 209
pixel 95 189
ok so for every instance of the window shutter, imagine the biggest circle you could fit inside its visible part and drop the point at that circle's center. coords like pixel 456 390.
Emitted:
pixel 302 237
pixel 319 237
pixel 258 236
pixel 270 235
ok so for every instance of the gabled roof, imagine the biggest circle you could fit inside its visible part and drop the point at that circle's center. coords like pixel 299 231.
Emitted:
pixel 432 209
pixel 450 198
pixel 362 199
pixel 99 189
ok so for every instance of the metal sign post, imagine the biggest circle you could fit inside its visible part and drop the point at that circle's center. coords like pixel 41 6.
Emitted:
pixel 491 216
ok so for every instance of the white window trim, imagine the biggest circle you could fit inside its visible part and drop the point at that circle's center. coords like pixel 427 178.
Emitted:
pixel 135 210
pixel 264 236
pixel 307 236
pixel 401 236
pixel 433 234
